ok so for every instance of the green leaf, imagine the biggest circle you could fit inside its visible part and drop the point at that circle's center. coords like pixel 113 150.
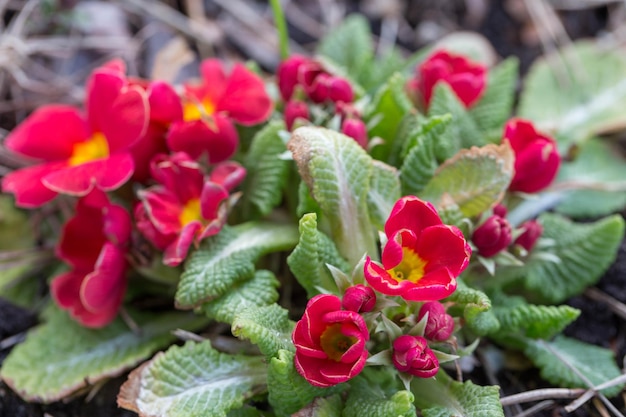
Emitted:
pixel 374 76
pixel 322 407
pixel 260 290
pixel 266 172
pixel 388 107
pixel 60 356
pixel 576 92
pixel 350 45
pixel 475 306
pixel 337 171
pixel 369 402
pixel 597 165
pixel 228 258
pixel 313 252
pixel 558 359
pixel 193 380
pixel 420 162
pixel 585 250
pixel 246 411
pixel 462 133
pixel 268 327
pixel 535 321
pixel 474 179
pixel 495 106
pixel 288 390
pixel 383 193
pixel 443 397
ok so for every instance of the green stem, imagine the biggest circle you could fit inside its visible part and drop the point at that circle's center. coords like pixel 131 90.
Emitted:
pixel 281 27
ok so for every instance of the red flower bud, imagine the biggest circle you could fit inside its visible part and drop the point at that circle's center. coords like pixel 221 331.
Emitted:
pixel 532 230
pixel 500 210
pixel 320 88
pixel 440 325
pixel 339 89
pixel 295 109
pixel 287 74
pixel 466 78
pixel 536 157
pixel 330 342
pixel 412 355
pixel 355 128
pixel 492 236
pixel 359 298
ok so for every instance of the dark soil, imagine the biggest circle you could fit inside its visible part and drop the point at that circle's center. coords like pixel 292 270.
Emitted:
pixel 511 31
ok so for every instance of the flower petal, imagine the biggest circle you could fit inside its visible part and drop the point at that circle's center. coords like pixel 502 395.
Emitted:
pixel 229 174
pixel 211 199
pixel 165 105
pixel 443 246
pixel 126 119
pixel 26 184
pixel 162 208
pixel 102 88
pixel 245 99
pixel 49 133
pixel 411 213
pixel 103 289
pixel 65 288
pixel 177 251
pixel 433 286
pixel 107 174
pixel 218 138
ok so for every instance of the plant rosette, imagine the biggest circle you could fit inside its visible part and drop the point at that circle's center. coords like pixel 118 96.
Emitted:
pixel 418 211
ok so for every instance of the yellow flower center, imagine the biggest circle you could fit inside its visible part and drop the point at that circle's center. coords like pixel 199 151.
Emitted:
pixel 334 343
pixel 94 148
pixel 191 211
pixel 193 110
pixel 411 267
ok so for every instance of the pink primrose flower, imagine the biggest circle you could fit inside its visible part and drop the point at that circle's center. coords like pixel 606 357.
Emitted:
pixel 412 355
pixel 537 159
pixel 94 244
pixel 466 78
pixel 422 257
pixel 440 325
pixel 330 342
pixel 185 207
pixel 79 152
pixel 211 107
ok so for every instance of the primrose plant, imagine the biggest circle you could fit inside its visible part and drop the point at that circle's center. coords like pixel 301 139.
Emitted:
pixel 362 233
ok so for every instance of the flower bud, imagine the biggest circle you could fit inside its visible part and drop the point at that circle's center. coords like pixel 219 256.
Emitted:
pixel 440 325
pixel 295 109
pixel 359 298
pixel 492 236
pixel 412 355
pixel 532 230
pixel 287 74
pixel 499 210
pixel 355 128
pixel 536 157
pixel 339 89
pixel 320 88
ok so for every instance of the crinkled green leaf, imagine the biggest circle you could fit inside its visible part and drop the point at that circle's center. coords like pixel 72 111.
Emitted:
pixel 420 161
pixel 193 380
pixel 475 306
pixel 260 290
pixel 288 390
pixel 494 107
pixel 61 356
pixel 246 411
pixel 228 258
pixel 408 127
pixel 474 179
pixel 556 359
pixel 535 321
pixel 371 403
pixel 308 260
pixel 383 193
pixel 268 327
pixel 374 76
pixel 462 133
pixel 337 171
pixel 443 397
pixel 576 92
pixel 322 407
pixel 350 45
pixel 585 250
pixel 597 165
pixel 266 172
pixel 388 107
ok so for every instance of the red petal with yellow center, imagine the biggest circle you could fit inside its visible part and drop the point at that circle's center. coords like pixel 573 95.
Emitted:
pixel 217 137
pixel 214 80
pixel 433 286
pixel 179 174
pixel 212 197
pixel 49 133
pixel 102 290
pixel 163 208
pixel 443 247
pixel 106 174
pixel 177 251
pixel 26 184
pixel 411 213
pixel 245 99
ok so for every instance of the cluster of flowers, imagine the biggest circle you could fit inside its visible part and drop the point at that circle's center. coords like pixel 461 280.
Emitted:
pixel 420 263
pixel 144 132
pixel 422 257
pixel 301 78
